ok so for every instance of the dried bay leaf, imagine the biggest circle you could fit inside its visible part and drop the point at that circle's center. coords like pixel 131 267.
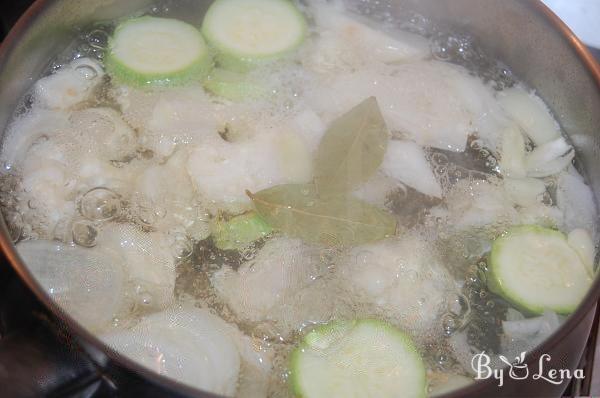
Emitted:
pixel 352 149
pixel 298 211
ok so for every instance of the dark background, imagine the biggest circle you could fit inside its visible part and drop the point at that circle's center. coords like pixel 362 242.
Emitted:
pixel 10 10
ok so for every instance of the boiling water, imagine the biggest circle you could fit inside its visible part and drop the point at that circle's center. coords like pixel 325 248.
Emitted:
pixel 143 195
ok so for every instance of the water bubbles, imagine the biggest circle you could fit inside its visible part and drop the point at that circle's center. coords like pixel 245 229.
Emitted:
pixel 439 159
pixel 145 299
pixel 449 323
pixel 88 72
pixel 142 297
pixel 181 246
pixel 146 214
pixel 162 9
pixel 249 253
pixel 98 39
pixel 84 233
pixel 462 49
pixel 100 204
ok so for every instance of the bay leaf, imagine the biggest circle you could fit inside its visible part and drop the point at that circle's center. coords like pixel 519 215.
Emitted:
pixel 338 220
pixel 352 149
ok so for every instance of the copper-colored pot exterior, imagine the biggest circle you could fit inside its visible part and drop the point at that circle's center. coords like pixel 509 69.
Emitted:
pixel 524 34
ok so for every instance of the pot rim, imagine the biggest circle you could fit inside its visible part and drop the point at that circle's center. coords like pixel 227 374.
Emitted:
pixel 9 249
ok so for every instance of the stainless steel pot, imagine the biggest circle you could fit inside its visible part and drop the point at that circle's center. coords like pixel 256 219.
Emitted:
pixel 524 34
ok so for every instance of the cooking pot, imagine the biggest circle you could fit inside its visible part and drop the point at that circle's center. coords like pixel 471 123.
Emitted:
pixel 66 360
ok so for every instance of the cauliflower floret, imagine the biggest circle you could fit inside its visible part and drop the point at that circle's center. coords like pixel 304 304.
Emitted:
pixel 435 103
pixel 309 126
pixel 69 85
pixel 222 171
pixel 576 201
pixel 36 126
pixel 167 194
pixel 166 119
pixel 103 132
pixel 404 280
pixel 275 288
pixel 347 42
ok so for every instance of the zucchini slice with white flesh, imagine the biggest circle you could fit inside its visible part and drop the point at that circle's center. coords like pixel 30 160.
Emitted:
pixel 157 51
pixel 365 358
pixel 247 33
pixel 536 269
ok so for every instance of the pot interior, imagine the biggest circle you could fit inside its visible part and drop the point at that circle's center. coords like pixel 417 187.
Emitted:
pixel 247 195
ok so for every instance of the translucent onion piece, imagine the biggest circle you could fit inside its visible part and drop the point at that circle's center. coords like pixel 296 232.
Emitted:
pixel 87 283
pixel 530 112
pixel 549 158
pixel 406 162
pixel 191 346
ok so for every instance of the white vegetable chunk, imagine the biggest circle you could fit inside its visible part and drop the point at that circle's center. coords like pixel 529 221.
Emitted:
pixel 92 172
pixel 149 261
pixel 35 126
pixel 191 346
pixel 541 214
pixel 377 189
pixel 269 288
pixel 525 334
pixel 576 201
pixel 102 131
pixel 485 204
pixel 87 283
pixel 544 324
pixel 167 188
pixel 169 118
pixel 549 158
pixel 530 112
pixel 480 204
pixel 222 171
pixel 521 335
pixel 525 191
pixel 433 103
pixel 512 154
pixel 48 190
pixel 406 162
pixel 179 117
pixel 404 280
pixel 69 85
pixel 310 127
pixel 347 41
